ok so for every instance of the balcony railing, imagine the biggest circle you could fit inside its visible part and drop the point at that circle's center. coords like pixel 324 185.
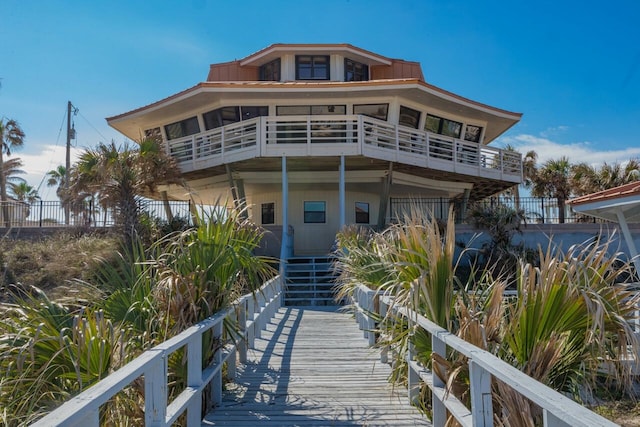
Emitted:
pixel 354 135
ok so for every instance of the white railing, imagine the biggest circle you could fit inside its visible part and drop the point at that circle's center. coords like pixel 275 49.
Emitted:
pixel 342 135
pixel 558 410
pixel 252 312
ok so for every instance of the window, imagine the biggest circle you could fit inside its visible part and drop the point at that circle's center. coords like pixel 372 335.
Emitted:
pixel 362 213
pixel 355 71
pixel 315 212
pixel 310 67
pixel 308 110
pixel 409 117
pixel 220 117
pixel 443 126
pixel 247 113
pixel 182 128
pixel 270 71
pixel 268 213
pixel 472 133
pixel 377 111
pixel 228 115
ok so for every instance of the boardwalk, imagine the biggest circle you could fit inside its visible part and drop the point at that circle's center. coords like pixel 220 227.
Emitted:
pixel 312 367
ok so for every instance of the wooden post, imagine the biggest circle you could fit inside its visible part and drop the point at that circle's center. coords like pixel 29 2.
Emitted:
pixel 413 379
pixel 439 410
pixel 481 406
pixel 216 382
pixel 155 392
pixel 194 379
pixel 242 324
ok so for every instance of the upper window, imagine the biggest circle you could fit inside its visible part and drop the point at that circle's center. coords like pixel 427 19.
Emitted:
pixel 315 212
pixel 355 71
pixel 472 133
pixel 268 213
pixel 312 67
pixel 182 128
pixel 309 110
pixel 270 71
pixel 409 117
pixel 228 115
pixel 362 213
pixel 443 126
pixel 377 111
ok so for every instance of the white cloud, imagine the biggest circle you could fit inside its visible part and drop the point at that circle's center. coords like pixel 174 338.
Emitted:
pixel 36 166
pixel 576 152
pixel 555 130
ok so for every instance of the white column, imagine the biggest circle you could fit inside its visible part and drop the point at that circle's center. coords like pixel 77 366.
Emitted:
pixel 285 216
pixel 627 236
pixel 342 195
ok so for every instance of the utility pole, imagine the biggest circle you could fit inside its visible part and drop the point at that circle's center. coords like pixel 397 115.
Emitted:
pixel 70 136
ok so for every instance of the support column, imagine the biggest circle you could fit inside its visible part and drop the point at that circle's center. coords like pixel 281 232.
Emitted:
pixel 465 202
pixel 384 197
pixel 624 227
pixel 343 220
pixel 232 185
pixel 285 216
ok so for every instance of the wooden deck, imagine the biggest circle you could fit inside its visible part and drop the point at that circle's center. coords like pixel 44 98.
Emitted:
pixel 312 367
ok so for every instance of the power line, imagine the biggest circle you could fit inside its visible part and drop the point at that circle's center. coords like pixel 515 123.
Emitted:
pixel 64 116
pixel 92 126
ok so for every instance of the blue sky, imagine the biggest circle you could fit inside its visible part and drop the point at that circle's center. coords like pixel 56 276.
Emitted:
pixel 572 68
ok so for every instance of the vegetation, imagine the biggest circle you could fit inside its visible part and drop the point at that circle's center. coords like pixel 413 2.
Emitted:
pixel 124 303
pixel 553 180
pixel 571 312
pixel 11 137
pixel 117 176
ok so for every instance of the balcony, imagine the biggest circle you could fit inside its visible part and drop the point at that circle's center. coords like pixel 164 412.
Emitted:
pixel 352 135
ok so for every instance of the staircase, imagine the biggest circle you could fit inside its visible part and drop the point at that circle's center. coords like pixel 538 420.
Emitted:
pixel 309 281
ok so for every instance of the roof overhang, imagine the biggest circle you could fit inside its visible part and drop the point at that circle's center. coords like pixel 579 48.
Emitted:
pixel 620 204
pixel 209 95
pixel 608 204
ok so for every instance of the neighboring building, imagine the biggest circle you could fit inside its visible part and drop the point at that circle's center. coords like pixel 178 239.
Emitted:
pixel 316 136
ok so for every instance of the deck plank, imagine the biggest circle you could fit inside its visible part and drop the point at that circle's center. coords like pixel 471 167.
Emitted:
pixel 312 367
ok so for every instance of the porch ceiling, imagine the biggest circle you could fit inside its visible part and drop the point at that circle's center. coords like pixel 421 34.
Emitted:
pixel 482 187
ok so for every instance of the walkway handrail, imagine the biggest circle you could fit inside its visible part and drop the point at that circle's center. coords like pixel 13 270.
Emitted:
pixel 558 410
pixel 252 312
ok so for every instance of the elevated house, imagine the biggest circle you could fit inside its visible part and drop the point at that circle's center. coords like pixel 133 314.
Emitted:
pixel 313 137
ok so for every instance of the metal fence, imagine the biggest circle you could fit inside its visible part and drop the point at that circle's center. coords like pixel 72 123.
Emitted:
pixel 537 210
pixel 54 214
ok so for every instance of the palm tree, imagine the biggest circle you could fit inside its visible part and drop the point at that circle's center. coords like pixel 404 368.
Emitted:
pixel 11 136
pixel 24 192
pixel 118 176
pixel 58 178
pixel 528 172
pixel 553 179
pixel 11 169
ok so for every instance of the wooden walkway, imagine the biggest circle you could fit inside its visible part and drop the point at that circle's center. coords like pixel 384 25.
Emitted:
pixel 312 367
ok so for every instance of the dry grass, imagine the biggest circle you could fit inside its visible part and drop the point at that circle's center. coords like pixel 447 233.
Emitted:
pixel 53 264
